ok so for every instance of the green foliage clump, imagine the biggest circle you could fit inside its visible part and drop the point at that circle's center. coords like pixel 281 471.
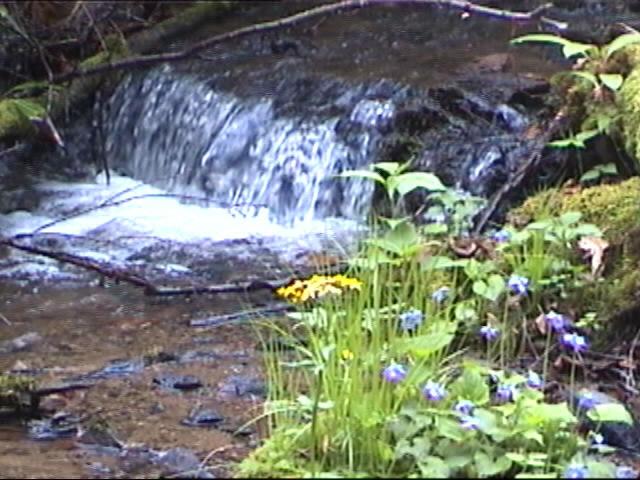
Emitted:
pixel 630 110
pixel 372 381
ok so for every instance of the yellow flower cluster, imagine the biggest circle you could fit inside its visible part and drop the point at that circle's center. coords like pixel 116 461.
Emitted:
pixel 318 286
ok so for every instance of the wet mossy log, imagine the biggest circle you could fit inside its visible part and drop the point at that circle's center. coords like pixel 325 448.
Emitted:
pixel 14 120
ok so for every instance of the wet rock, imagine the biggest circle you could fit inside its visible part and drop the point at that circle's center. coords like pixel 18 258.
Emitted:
pixel 61 425
pixel 240 385
pixel 177 460
pixel 177 382
pixel 118 368
pixel 202 417
pixel 21 343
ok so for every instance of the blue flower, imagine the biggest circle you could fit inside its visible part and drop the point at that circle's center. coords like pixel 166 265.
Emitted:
pixel 489 333
pixel 518 284
pixel 624 471
pixel 595 440
pixel 575 471
pixel 501 236
pixel 411 320
pixel 506 392
pixel 469 423
pixel 440 295
pixel 556 321
pixel 394 373
pixel 587 401
pixel 433 391
pixel 575 342
pixel 534 380
pixel 464 407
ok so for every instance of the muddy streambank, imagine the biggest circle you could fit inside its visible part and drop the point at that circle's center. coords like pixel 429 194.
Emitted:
pixel 167 393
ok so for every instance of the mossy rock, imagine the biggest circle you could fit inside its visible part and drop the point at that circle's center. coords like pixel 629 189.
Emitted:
pixel 629 102
pixel 615 209
pixel 17 393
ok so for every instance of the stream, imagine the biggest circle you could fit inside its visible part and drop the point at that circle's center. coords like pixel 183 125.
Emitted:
pixel 222 170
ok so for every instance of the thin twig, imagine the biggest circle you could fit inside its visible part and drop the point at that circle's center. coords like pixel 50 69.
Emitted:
pixel 5 319
pixel 312 13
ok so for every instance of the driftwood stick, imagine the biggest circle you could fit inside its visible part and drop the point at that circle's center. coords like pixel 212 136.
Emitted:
pixel 333 8
pixel 518 178
pixel 123 275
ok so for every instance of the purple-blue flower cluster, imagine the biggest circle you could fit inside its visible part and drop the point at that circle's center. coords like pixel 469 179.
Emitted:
pixel 518 284
pixel 394 373
pixel 411 320
pixel 441 294
pixel 433 391
pixel 489 333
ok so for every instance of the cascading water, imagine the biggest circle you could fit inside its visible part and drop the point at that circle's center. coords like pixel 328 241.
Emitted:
pixel 183 136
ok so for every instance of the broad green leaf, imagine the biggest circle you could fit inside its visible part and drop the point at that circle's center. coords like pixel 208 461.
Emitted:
pixel 621 42
pixel 407 182
pixel 590 175
pixel 28 108
pixel 425 345
pixel 612 81
pixel 590 77
pixel 40 85
pixel 586 135
pixel 440 262
pixel 610 412
pixel 487 466
pixel 609 169
pixel 545 413
pixel 362 174
pixel 449 428
pixel 569 48
pixel 574 48
pixel 569 218
pixel 433 467
pixel 471 385
pixel 390 168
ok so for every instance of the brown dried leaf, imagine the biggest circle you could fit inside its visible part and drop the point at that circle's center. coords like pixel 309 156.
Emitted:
pixel 541 324
pixel 594 248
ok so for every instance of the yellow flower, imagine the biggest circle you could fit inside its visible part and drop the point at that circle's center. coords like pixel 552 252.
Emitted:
pixel 347 354
pixel 316 287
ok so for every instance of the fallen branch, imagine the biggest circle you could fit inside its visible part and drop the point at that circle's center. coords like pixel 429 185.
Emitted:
pixel 518 178
pixel 334 8
pixel 123 275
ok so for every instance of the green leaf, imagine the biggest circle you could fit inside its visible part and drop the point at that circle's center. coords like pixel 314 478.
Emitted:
pixel 569 48
pixel 425 345
pixel 609 169
pixel 610 412
pixel 590 175
pixel 569 218
pixel 449 428
pixel 390 168
pixel 362 174
pixel 612 81
pixel 621 42
pixel 440 262
pixel 587 135
pixel 407 182
pixel 433 467
pixel 435 229
pixel 28 108
pixel 574 48
pixel 488 466
pixel 471 386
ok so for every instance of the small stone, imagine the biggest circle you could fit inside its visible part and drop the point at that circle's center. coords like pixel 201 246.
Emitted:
pixel 240 385
pixel 202 417
pixel 23 342
pixel 177 460
pixel 178 382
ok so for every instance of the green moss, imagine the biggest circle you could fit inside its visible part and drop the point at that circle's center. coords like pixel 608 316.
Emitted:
pixel 15 114
pixel 16 392
pixel 613 208
pixel 629 102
